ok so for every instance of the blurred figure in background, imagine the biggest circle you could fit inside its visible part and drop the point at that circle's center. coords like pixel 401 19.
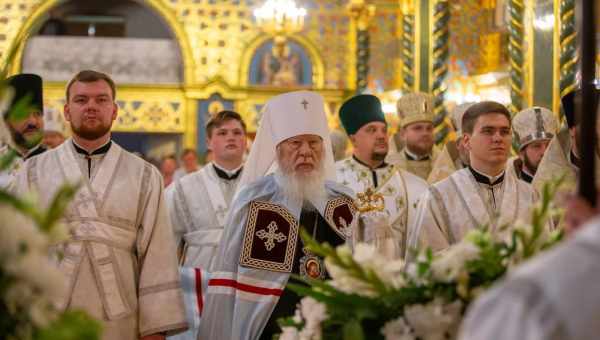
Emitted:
pixel 339 142
pixel 189 164
pixel 454 156
pixel 168 166
pixel 534 128
pixel 54 129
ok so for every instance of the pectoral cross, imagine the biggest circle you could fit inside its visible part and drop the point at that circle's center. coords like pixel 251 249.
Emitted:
pixel 305 104
pixel 271 236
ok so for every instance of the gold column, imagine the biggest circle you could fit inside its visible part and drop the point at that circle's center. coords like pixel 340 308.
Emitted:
pixel 361 13
pixel 438 63
pixel 191 123
pixel 516 53
pixel 568 46
pixel 409 71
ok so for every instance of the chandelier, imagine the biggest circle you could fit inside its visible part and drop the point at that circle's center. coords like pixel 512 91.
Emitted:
pixel 280 18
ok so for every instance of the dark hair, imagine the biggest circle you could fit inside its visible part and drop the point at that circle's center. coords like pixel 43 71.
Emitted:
pixel 170 156
pixel 480 109
pixel 187 152
pixel 89 76
pixel 222 117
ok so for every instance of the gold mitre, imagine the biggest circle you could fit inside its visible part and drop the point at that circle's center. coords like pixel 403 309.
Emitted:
pixel 415 107
pixel 532 124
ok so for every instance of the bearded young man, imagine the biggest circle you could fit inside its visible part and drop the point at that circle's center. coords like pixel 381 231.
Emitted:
pixel 364 122
pixel 416 132
pixel 479 195
pixel 119 262
pixel 534 129
pixel 261 246
pixel 26 132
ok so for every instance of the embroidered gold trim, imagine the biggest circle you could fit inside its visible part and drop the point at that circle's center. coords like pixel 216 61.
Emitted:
pixel 330 208
pixel 250 231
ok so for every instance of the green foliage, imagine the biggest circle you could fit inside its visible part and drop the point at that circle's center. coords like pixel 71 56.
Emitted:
pixel 71 325
pixel 7 159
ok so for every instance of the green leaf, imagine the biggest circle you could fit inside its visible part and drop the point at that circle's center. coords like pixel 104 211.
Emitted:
pixel 7 159
pixel 59 203
pixel 21 109
pixel 72 325
pixel 23 206
pixel 353 331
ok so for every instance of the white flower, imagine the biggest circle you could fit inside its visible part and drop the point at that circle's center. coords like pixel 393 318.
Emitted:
pixel 289 333
pixel 314 313
pixel 18 234
pixel 342 280
pixel 435 320
pixel 297 317
pixel 41 313
pixel 451 263
pixel 397 330
pixel 390 272
pixel 24 256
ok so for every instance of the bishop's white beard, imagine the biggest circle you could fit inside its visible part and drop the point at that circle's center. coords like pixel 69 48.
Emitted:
pixel 309 188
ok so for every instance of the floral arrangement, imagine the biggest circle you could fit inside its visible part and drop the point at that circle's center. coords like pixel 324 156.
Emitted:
pixel 29 277
pixel 371 297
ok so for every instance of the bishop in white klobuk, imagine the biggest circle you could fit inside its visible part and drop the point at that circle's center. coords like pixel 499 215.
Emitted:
pixel 261 246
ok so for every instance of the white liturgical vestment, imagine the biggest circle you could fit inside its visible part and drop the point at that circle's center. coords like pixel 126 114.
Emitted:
pixel 119 262
pixel 198 204
pixel 400 189
pixel 463 201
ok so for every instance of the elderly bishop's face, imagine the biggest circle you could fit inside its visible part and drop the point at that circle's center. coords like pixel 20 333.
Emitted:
pixel 300 155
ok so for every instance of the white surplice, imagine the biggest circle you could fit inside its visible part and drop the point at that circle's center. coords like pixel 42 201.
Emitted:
pixel 119 261
pixel 452 207
pixel 198 204
pixel 400 189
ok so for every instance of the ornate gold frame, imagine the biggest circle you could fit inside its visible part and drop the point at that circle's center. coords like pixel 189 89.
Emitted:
pixel 315 57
